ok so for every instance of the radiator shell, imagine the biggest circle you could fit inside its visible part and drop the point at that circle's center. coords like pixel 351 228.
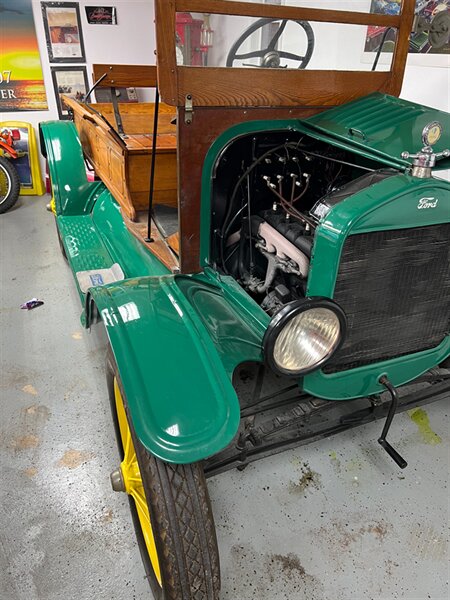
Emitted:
pixel 384 224
pixel 394 287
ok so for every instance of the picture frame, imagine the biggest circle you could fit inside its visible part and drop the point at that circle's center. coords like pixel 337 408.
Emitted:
pixel 27 162
pixel 71 81
pixel 63 32
pixel 101 15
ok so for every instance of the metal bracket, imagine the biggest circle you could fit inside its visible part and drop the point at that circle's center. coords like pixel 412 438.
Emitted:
pixel 189 109
pixel 115 104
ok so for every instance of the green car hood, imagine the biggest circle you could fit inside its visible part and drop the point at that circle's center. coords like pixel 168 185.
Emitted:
pixel 382 126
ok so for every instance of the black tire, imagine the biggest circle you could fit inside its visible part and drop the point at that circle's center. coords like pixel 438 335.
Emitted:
pixel 9 185
pixel 181 517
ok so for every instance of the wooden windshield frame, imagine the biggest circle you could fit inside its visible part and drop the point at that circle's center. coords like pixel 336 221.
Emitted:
pixel 225 86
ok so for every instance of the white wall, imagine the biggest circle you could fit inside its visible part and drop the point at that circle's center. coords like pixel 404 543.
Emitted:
pixel 428 85
pixel 131 41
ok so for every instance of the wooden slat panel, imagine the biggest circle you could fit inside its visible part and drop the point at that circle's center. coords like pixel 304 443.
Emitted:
pixel 88 114
pixel 166 55
pixel 142 144
pixel 137 117
pixel 124 164
pixel 125 75
pixel 138 178
pixel 275 11
pixel 168 197
pixel 275 87
pixel 117 169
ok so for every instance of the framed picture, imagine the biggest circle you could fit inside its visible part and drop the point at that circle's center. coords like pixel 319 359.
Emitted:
pixel 63 32
pixel 21 138
pixel 69 81
pixel 101 15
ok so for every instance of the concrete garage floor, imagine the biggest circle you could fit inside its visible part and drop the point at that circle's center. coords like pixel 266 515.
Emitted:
pixel 335 520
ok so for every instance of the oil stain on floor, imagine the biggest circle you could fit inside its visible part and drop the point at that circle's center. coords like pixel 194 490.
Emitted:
pixel 281 576
pixel 420 417
pixel 308 479
pixel 72 459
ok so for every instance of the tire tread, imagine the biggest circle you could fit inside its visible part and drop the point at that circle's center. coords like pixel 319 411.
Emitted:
pixel 13 195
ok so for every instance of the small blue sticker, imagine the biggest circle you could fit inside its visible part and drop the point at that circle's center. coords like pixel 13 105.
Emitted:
pixel 96 279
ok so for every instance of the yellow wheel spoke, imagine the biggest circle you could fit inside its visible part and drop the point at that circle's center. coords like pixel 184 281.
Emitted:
pixel 135 479
pixel 141 503
pixel 133 482
pixel 130 454
pixel 3 184
pixel 144 519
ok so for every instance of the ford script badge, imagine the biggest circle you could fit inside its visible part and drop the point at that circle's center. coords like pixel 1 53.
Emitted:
pixel 427 203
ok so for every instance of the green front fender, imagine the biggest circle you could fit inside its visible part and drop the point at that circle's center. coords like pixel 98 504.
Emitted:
pixel 61 146
pixel 181 398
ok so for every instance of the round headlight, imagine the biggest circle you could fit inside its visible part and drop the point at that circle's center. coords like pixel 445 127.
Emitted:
pixel 303 336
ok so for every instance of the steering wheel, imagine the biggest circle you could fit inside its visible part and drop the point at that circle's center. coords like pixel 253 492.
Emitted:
pixel 270 56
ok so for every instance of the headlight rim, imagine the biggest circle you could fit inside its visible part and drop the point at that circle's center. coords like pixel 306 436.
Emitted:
pixel 288 312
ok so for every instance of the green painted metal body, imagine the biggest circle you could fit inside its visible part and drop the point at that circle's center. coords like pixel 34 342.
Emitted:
pixel 181 398
pixel 177 339
pixel 73 193
pixel 383 125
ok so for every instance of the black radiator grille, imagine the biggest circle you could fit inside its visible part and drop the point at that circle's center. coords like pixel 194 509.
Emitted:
pixel 394 287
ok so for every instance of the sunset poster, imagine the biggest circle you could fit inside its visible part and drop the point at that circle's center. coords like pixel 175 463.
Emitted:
pixel 21 80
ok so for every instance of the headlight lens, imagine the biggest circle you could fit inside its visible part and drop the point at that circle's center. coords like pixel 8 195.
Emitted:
pixel 303 336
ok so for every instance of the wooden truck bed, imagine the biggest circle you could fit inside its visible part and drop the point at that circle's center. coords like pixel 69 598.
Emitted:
pixel 123 161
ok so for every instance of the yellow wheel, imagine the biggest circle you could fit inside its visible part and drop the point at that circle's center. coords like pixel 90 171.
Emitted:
pixel 9 184
pixel 128 479
pixel 171 512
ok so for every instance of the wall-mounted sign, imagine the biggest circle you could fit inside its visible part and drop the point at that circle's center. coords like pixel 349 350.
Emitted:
pixel 63 32
pixel 21 80
pixel 69 81
pixel 101 15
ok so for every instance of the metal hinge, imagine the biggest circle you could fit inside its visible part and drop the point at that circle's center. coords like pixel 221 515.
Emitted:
pixel 189 109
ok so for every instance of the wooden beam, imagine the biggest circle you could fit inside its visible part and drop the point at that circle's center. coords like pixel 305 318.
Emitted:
pixel 275 11
pixel 275 87
pixel 125 75
pixel 402 47
pixel 165 50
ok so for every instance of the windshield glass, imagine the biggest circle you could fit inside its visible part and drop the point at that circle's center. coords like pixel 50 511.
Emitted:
pixel 363 6
pixel 236 41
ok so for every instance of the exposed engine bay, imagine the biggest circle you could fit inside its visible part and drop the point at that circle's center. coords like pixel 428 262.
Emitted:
pixel 270 191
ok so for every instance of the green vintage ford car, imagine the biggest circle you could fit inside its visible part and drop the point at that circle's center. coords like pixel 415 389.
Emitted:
pixel 299 286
